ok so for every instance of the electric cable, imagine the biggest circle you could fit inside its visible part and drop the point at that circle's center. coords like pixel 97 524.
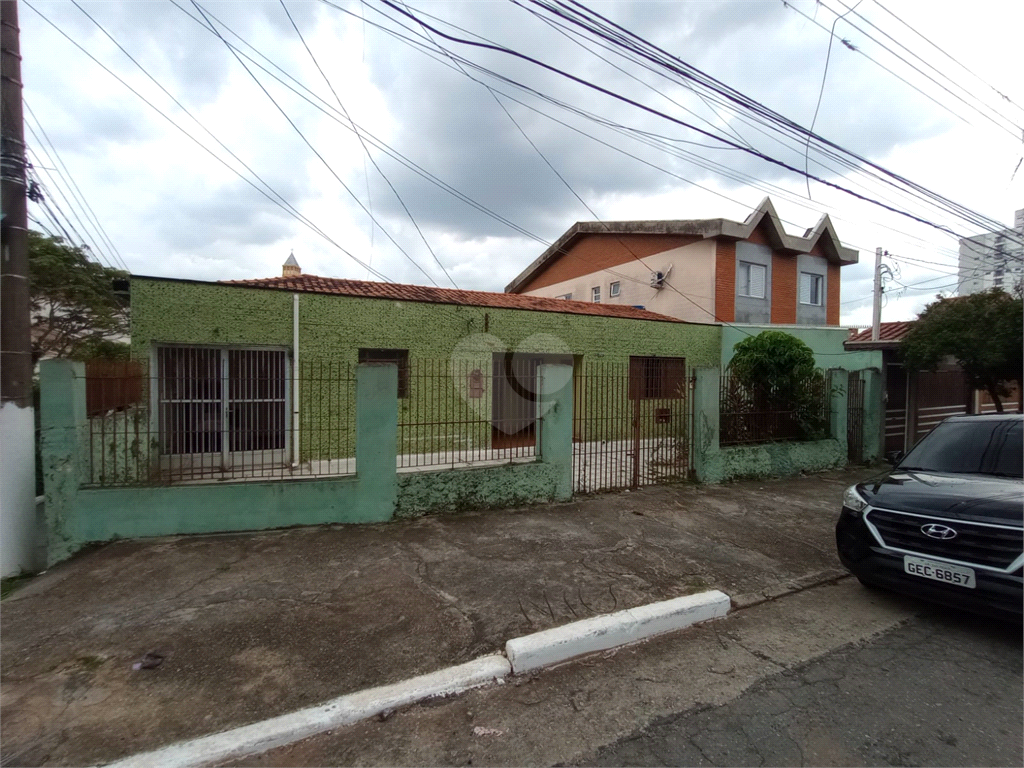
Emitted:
pixel 309 144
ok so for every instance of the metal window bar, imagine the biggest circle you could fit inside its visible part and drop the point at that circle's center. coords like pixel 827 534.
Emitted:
pixel 464 413
pixel 202 414
pixel 766 414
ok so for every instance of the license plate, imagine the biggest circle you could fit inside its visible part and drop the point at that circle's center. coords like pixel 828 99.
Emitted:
pixel 938 571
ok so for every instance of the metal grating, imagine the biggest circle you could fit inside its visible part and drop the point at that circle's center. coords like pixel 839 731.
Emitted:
pixel 991 546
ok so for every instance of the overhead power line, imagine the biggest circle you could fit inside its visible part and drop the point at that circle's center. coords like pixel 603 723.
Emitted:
pixel 1010 130
pixel 892 179
pixel 303 92
pixel 366 149
pixel 290 210
pixel 65 174
pixel 821 92
pixel 662 143
pixel 309 144
pixel 599 25
pixel 949 56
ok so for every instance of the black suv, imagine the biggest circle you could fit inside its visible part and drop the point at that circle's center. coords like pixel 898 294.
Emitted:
pixel 947 522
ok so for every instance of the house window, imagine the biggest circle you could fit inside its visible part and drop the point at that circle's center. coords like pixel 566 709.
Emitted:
pixel 216 400
pixel 810 289
pixel 567 297
pixel 614 289
pixel 657 378
pixel 750 280
pixel 399 357
pixel 595 294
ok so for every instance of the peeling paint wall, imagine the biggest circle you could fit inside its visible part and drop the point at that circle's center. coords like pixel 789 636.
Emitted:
pixel 461 490
pixel 775 460
pixel 77 515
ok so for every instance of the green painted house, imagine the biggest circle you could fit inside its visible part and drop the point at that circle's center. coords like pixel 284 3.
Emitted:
pixel 256 370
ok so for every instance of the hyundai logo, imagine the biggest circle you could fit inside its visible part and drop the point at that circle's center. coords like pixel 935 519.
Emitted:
pixel 936 531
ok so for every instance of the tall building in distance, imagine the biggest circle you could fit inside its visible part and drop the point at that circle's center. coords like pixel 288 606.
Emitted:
pixel 993 259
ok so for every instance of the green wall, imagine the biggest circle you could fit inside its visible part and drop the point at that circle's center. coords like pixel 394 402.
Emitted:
pixel 827 344
pixel 77 515
pixel 333 328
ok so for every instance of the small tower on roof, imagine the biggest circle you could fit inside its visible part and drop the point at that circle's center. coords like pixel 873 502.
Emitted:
pixel 291 267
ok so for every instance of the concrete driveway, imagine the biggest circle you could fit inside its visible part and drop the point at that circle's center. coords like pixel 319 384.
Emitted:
pixel 254 625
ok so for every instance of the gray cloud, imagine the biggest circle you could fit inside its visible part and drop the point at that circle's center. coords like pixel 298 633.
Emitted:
pixel 452 125
pixel 441 120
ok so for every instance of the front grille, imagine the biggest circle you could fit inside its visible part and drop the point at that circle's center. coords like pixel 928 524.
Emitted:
pixel 976 544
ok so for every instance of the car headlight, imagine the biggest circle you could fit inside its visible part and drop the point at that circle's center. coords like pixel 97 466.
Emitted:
pixel 852 500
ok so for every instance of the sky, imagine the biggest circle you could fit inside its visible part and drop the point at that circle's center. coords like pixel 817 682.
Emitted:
pixel 429 161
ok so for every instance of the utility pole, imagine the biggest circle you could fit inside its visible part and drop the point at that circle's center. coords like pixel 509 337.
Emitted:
pixel 876 315
pixel 17 419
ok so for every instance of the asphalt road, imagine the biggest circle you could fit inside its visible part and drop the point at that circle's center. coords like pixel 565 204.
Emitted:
pixel 941 690
pixel 834 675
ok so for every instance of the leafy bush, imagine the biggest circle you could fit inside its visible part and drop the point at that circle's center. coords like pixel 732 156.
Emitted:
pixel 772 391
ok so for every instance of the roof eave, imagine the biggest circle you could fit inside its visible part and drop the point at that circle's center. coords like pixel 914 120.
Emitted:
pixel 871 344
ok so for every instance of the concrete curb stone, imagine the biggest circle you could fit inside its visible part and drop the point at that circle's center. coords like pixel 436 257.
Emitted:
pixel 259 737
pixel 524 654
pixel 600 633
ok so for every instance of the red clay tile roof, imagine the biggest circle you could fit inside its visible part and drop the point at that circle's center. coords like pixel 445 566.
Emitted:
pixel 373 290
pixel 887 332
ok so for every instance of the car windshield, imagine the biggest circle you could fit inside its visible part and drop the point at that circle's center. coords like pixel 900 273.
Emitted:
pixel 993 447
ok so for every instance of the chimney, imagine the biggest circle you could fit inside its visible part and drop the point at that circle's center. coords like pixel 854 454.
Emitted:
pixel 291 267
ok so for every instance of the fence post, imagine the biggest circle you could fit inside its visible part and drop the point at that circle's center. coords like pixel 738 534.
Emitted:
pixel 839 403
pixel 555 446
pixel 63 424
pixel 377 438
pixel 874 415
pixel 706 423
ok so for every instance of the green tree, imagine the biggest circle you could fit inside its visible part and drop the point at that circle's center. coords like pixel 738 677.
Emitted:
pixel 773 374
pixel 774 359
pixel 76 309
pixel 983 332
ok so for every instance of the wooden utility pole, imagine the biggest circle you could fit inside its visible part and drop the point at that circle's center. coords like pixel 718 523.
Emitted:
pixel 17 420
pixel 16 349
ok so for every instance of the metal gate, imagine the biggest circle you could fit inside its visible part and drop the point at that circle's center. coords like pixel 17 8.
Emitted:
pixel 631 423
pixel 855 418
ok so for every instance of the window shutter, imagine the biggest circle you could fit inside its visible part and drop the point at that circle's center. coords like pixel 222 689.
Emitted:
pixel 805 288
pixel 757 275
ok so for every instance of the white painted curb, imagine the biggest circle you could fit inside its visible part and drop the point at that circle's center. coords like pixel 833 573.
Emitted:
pixel 614 629
pixel 259 737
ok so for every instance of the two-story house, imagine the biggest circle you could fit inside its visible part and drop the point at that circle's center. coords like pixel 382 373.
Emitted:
pixel 701 270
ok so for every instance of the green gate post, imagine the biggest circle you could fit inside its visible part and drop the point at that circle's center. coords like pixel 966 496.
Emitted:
pixel 377 439
pixel 839 384
pixel 555 444
pixel 706 414
pixel 63 422
pixel 874 415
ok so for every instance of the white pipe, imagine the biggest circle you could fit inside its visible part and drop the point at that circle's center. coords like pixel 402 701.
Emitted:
pixel 295 380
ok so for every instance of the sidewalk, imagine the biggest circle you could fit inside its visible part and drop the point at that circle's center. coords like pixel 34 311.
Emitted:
pixel 255 625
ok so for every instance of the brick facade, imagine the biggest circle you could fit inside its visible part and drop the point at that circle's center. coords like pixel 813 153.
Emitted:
pixel 725 281
pixel 832 297
pixel 784 289
pixel 601 251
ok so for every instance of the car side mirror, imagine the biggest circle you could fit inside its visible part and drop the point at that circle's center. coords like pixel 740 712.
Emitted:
pixel 893 457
